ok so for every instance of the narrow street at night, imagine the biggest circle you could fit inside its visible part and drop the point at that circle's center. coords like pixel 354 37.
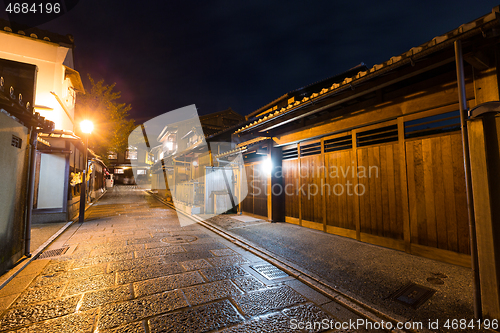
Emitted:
pixel 249 166
pixel 130 267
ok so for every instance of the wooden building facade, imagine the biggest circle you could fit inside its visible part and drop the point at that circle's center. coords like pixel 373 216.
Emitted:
pixel 377 155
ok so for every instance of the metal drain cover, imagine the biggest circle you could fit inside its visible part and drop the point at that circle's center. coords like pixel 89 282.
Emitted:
pixel 269 271
pixel 178 239
pixel 53 253
pixel 413 295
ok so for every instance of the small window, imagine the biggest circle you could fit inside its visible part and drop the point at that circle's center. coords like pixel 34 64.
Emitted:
pixel 338 143
pixel 131 154
pixel 112 156
pixel 441 123
pixel 310 149
pixel 291 153
pixel 377 136
pixel 119 171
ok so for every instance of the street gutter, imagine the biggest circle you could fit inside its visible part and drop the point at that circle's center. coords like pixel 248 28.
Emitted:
pixel 312 280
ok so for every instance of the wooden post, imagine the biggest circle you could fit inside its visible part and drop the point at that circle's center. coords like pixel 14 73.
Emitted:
pixel 323 177
pixel 462 100
pixel 485 161
pixel 300 184
pixel 356 206
pixel 404 185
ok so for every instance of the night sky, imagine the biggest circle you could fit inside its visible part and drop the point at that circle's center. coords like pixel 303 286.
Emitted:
pixel 219 54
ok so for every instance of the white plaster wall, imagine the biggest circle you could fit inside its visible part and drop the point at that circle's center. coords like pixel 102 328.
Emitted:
pixel 49 58
pixel 51 185
pixel 12 202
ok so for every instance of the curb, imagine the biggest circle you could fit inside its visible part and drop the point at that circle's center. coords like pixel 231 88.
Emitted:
pixel 12 273
pixel 317 283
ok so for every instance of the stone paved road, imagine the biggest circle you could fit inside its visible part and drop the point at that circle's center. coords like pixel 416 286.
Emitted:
pixel 132 268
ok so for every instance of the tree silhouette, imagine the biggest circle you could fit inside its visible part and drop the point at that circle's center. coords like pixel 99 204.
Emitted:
pixel 111 127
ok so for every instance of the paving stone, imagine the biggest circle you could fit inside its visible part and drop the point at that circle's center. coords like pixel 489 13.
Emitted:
pixel 248 283
pixel 160 251
pixel 137 327
pixel 97 298
pixel 193 265
pixel 151 272
pixel 309 313
pixel 207 245
pixel 99 260
pixel 26 315
pixel 308 292
pixel 228 260
pixel 222 273
pixel 165 283
pixel 116 314
pixel 56 267
pixel 178 257
pixel 142 240
pixel 50 279
pixel 275 323
pixel 262 301
pixel 208 292
pixel 156 245
pixel 134 263
pixel 223 252
pixel 36 295
pixel 81 322
pixel 85 272
pixel 201 319
pixel 116 250
pixel 103 245
pixel 89 283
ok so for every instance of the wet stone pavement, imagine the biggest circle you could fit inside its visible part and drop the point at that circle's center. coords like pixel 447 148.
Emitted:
pixel 131 267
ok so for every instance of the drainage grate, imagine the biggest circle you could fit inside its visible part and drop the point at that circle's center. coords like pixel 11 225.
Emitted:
pixel 53 253
pixel 269 271
pixel 413 295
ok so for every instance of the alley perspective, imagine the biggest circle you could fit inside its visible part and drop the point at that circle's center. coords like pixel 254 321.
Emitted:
pixel 210 197
pixel 130 267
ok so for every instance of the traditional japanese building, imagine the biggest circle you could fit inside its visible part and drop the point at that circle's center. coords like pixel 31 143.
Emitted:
pixel 375 154
pixel 61 155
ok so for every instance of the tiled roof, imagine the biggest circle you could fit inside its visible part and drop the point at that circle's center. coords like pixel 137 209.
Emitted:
pixel 43 35
pixel 433 45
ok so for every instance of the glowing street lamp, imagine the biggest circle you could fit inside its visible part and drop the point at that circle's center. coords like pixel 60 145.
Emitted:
pixel 86 126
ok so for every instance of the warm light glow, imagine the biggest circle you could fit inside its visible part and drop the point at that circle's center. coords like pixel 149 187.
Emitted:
pixel 267 165
pixel 86 126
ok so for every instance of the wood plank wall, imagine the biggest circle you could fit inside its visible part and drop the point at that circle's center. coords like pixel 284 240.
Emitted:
pixel 291 185
pixel 339 168
pixel 311 183
pixel 380 208
pixel 435 187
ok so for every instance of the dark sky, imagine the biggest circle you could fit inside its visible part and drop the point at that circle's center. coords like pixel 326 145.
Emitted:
pixel 165 55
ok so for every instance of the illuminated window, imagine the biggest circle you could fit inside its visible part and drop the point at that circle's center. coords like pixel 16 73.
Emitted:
pixel 112 156
pixel 119 171
pixel 131 154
